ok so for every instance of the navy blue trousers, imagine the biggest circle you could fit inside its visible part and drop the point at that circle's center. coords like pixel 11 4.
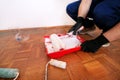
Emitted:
pixel 105 13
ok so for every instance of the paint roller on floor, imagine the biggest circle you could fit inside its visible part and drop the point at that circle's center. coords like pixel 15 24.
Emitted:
pixel 56 63
pixel 9 73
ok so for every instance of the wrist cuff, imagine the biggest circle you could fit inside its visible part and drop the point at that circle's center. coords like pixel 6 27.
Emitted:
pixel 101 39
pixel 80 19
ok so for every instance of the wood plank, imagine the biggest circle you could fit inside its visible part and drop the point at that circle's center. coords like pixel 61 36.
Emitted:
pixel 30 57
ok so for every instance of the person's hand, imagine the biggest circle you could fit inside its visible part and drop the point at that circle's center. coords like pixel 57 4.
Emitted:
pixel 78 24
pixel 93 45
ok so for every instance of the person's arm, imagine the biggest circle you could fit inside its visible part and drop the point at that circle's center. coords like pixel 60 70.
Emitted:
pixel 82 13
pixel 84 8
pixel 109 36
pixel 113 34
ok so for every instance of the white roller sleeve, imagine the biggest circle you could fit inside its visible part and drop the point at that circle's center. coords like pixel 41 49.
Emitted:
pixel 56 42
pixel 57 63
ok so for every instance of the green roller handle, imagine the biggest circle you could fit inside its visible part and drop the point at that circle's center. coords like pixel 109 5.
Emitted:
pixel 8 72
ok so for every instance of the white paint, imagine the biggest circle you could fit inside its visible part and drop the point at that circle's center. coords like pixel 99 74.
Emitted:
pixel 33 13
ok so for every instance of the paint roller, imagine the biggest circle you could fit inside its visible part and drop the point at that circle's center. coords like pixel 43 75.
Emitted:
pixel 56 63
pixel 9 73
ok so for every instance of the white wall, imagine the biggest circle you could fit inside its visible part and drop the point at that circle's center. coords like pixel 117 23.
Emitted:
pixel 33 13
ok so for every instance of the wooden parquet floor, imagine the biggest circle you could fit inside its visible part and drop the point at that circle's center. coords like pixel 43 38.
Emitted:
pixel 30 58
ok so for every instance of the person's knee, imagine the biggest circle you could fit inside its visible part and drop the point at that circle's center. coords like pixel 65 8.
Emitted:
pixel 68 9
pixel 72 8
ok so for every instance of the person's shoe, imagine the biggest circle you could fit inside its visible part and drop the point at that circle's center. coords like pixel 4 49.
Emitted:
pixel 106 45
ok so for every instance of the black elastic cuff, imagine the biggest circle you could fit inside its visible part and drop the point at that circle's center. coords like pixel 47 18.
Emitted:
pixel 80 19
pixel 101 39
pixel 88 23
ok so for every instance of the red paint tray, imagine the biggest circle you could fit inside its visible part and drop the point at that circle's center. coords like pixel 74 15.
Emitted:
pixel 60 53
